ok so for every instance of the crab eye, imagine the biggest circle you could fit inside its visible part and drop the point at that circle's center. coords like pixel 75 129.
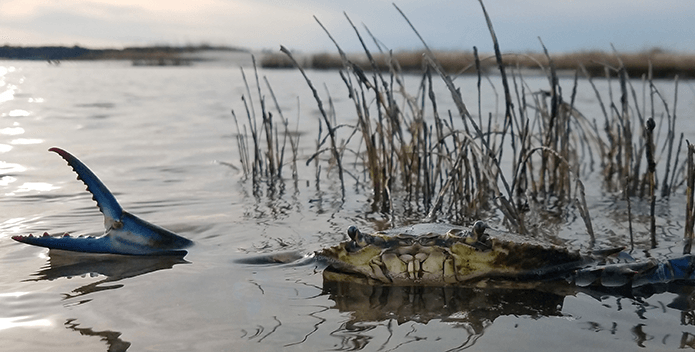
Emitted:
pixel 353 232
pixel 479 228
pixel 357 237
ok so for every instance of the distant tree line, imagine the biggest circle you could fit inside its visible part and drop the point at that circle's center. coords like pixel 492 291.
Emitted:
pixel 55 53
pixel 43 52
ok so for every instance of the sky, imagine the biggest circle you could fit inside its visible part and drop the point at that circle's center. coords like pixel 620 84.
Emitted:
pixel 563 25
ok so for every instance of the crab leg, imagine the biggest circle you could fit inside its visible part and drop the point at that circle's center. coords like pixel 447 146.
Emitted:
pixel 125 233
pixel 638 273
pixel 682 268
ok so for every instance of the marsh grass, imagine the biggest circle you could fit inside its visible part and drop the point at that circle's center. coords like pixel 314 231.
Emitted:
pixel 460 166
pixel 660 63
pixel 266 164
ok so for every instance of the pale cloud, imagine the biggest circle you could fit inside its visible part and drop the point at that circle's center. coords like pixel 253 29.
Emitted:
pixel 250 24
pixel 19 8
pixel 564 25
pixel 104 8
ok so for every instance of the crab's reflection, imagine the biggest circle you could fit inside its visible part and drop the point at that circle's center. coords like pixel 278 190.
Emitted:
pixel 474 306
pixel 473 309
pixel 113 267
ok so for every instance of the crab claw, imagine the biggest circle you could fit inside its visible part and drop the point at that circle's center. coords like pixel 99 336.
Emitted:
pixel 125 233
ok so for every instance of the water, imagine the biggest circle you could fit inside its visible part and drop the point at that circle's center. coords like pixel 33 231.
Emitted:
pixel 160 138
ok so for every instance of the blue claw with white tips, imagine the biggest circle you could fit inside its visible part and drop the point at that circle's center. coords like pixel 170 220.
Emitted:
pixel 125 233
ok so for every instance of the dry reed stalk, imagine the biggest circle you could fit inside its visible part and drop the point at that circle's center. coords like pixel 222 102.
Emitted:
pixel 242 146
pixel 673 184
pixel 378 165
pixel 251 117
pixel 267 119
pixel 651 170
pixel 624 119
pixel 690 206
pixel 629 215
pixel 665 188
pixel 584 212
pixel 287 135
pixel 634 177
pixel 331 131
pixel 508 105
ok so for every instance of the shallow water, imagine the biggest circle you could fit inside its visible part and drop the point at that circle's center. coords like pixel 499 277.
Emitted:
pixel 160 138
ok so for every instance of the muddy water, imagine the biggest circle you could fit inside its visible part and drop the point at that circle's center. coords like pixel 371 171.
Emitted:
pixel 162 138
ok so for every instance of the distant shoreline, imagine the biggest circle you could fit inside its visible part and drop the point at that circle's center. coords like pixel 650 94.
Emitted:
pixel 662 64
pixel 136 54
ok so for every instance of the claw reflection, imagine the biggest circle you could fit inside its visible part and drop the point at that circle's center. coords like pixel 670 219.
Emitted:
pixel 113 266
pixel 112 338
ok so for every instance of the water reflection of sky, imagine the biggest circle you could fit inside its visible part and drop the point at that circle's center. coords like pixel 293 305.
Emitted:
pixel 10 168
pixel 18 113
pixel 16 130
pixel 18 321
pixel 12 131
pixel 7 95
pixel 26 141
pixel 155 139
pixel 36 186
pixel 7 91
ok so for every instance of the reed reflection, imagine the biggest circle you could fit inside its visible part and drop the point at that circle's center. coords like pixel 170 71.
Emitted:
pixel 113 340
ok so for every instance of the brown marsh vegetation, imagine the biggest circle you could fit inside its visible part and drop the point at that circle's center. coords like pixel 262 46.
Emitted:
pixel 463 165
pixel 660 63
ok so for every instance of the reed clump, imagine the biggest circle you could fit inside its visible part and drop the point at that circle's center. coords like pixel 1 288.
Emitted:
pixel 448 163
pixel 523 164
pixel 261 150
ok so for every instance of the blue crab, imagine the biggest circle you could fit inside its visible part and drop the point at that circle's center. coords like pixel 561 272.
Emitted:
pixel 440 255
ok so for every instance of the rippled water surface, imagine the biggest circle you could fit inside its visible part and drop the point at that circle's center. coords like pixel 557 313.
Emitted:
pixel 162 139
